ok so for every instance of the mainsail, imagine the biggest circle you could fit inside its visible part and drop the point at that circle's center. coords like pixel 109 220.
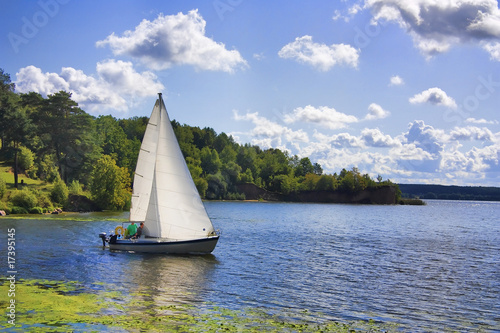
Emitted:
pixel 164 194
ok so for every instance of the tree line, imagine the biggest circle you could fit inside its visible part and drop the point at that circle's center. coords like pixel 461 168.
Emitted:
pixel 54 141
pixel 447 192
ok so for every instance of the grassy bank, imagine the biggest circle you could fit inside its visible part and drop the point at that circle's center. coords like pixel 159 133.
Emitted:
pixel 71 216
pixel 34 196
pixel 8 176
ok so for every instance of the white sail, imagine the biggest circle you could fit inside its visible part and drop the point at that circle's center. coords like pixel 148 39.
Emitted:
pixel 174 207
pixel 144 171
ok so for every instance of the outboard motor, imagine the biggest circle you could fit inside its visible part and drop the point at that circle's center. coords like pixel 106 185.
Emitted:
pixel 112 239
pixel 102 236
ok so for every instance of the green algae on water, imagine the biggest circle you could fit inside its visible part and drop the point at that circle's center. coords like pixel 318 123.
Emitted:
pixel 55 306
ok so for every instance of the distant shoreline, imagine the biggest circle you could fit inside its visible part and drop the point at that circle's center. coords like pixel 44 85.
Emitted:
pixel 450 192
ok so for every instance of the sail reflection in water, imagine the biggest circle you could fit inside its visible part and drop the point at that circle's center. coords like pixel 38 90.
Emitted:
pixel 171 280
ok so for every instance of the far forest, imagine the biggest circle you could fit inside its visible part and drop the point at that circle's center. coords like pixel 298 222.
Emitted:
pixel 54 154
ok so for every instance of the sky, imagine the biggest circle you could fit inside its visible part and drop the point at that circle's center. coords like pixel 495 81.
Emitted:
pixel 405 89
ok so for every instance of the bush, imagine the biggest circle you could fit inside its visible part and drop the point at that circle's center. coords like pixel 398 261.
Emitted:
pixel 75 188
pixel 59 192
pixel 3 188
pixel 47 169
pixel 44 200
pixel 5 207
pixel 235 196
pixel 36 210
pixel 26 158
pixel 23 198
pixel 18 210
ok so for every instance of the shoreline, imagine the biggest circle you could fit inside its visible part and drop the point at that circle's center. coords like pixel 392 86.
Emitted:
pixel 69 216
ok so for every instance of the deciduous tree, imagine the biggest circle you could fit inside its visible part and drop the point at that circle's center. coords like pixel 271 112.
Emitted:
pixel 110 184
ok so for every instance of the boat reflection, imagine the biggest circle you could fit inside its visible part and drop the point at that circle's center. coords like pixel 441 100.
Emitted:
pixel 162 280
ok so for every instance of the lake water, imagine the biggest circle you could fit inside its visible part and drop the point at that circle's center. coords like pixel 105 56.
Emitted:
pixel 426 268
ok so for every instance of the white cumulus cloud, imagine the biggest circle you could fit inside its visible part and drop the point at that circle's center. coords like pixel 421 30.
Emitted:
pixel 175 40
pixel 373 137
pixel 481 121
pixel 323 115
pixel 321 56
pixel 396 80
pixel 434 96
pixel 267 133
pixel 341 140
pixel 471 133
pixel 375 111
pixel 436 25
pixel 493 49
pixel 115 87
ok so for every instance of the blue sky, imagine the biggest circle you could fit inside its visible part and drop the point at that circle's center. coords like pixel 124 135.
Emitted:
pixel 407 89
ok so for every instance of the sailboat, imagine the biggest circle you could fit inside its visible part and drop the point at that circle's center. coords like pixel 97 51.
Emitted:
pixel 165 197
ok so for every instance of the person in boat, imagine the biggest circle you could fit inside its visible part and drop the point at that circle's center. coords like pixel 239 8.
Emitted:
pixel 131 230
pixel 139 232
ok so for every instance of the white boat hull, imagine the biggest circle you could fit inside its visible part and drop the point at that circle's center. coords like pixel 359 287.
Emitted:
pixel 157 245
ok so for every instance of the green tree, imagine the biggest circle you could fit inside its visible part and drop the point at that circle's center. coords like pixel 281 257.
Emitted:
pixel 110 184
pixel 326 183
pixel 223 141
pixel 231 172
pixel 228 154
pixel 5 82
pixel 347 182
pixel 210 161
pixel 59 192
pixel 246 177
pixel 196 171
pixel 134 127
pixel 6 95
pixel 304 167
pixel 66 131
pixel 47 169
pixel 285 184
pixel 273 162
pixel 317 169
pixel 310 181
pixel 114 142
pixel 247 159
pixel 26 158
pixel 217 187
pixel 15 127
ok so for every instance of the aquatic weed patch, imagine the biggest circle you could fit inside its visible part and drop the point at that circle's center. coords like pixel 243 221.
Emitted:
pixel 54 306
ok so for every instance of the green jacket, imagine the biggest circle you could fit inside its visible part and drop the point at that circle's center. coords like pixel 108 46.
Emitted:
pixel 132 229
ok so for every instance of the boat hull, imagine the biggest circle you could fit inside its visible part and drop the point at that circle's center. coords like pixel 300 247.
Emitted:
pixel 155 245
